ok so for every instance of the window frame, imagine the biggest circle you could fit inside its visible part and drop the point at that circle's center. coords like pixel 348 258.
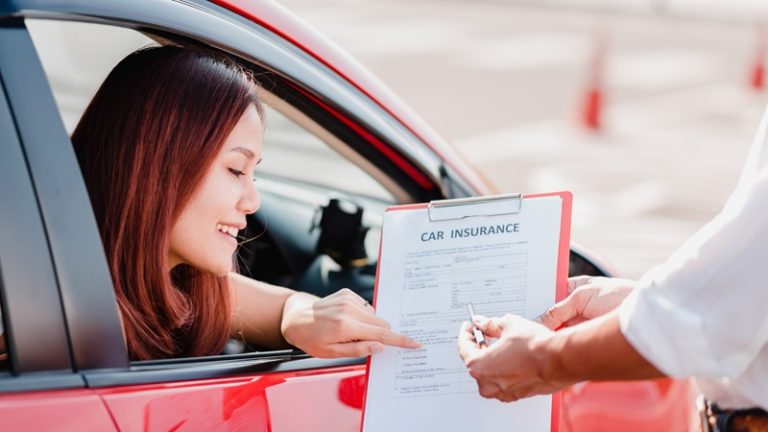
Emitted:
pixel 34 321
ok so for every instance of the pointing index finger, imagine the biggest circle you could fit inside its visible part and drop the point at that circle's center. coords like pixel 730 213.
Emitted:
pixel 384 335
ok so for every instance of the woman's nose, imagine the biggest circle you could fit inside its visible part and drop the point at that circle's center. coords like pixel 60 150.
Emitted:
pixel 250 201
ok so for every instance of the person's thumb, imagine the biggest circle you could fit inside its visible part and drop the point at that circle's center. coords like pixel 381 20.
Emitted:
pixel 559 314
pixel 491 327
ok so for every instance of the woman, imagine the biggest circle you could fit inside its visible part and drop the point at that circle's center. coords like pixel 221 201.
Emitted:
pixel 167 148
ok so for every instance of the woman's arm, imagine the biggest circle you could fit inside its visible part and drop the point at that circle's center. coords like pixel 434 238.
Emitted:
pixel 257 311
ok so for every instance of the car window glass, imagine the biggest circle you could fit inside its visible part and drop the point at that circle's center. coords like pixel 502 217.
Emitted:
pixel 292 152
pixel 4 363
pixel 77 57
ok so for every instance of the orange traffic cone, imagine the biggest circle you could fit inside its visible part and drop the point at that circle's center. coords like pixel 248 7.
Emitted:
pixel 757 73
pixel 593 98
pixel 592 104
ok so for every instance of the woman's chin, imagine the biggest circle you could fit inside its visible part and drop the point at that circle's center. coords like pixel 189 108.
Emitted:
pixel 216 269
pixel 223 271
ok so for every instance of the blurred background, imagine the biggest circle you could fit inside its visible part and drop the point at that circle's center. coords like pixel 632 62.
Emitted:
pixel 643 109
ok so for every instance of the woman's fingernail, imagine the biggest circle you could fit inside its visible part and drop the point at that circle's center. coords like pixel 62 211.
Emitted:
pixel 376 349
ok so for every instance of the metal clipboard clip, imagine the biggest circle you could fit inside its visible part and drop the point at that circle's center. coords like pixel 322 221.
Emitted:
pixel 460 208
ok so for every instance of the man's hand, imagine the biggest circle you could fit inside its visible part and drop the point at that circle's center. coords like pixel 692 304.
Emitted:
pixel 529 359
pixel 513 366
pixel 589 297
pixel 342 324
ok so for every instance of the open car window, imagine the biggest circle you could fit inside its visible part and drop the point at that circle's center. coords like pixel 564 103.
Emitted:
pixel 304 165
pixel 293 153
pixel 78 56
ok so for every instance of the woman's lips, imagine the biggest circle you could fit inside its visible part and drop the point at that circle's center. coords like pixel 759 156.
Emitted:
pixel 231 240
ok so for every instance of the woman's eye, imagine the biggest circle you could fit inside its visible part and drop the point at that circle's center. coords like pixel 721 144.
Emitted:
pixel 236 173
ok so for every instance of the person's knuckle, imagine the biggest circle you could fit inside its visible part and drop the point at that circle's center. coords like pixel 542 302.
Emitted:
pixel 510 318
pixel 339 324
pixel 346 302
pixel 506 398
pixel 362 351
pixel 476 374
pixel 486 391
pixel 582 294
pixel 346 293
pixel 474 370
pixel 330 353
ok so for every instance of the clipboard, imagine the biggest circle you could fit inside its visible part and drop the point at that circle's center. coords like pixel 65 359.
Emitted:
pixel 478 208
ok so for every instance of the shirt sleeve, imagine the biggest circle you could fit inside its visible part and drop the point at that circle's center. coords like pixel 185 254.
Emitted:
pixel 704 312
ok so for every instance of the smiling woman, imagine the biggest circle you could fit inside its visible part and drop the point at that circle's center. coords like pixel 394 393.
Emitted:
pixel 167 148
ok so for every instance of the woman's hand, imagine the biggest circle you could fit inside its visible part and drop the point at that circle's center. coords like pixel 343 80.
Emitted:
pixel 589 297
pixel 342 324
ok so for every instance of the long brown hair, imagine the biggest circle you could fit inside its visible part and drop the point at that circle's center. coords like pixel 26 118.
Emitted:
pixel 144 144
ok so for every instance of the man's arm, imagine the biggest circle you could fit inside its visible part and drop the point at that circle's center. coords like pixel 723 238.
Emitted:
pixel 595 350
pixel 529 359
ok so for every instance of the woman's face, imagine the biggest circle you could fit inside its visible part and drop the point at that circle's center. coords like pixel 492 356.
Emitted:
pixel 204 234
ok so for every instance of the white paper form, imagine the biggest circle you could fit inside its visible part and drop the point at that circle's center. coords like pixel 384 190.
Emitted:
pixel 428 271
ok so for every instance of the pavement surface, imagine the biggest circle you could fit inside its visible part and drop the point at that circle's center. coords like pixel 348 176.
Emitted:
pixel 505 82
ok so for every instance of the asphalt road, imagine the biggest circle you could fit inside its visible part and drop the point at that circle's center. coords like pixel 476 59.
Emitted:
pixel 505 83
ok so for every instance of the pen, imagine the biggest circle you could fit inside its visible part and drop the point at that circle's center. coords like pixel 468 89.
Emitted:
pixel 479 336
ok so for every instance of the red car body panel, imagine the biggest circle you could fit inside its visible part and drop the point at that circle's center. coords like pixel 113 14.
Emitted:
pixel 277 401
pixel 288 402
pixel 654 405
pixel 64 410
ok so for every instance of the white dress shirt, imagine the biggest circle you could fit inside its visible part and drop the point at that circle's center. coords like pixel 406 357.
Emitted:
pixel 704 312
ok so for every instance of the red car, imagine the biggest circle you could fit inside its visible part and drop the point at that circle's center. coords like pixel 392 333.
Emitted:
pixel 333 131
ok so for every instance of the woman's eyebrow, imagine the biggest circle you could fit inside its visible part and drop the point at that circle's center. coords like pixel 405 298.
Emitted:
pixel 249 154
